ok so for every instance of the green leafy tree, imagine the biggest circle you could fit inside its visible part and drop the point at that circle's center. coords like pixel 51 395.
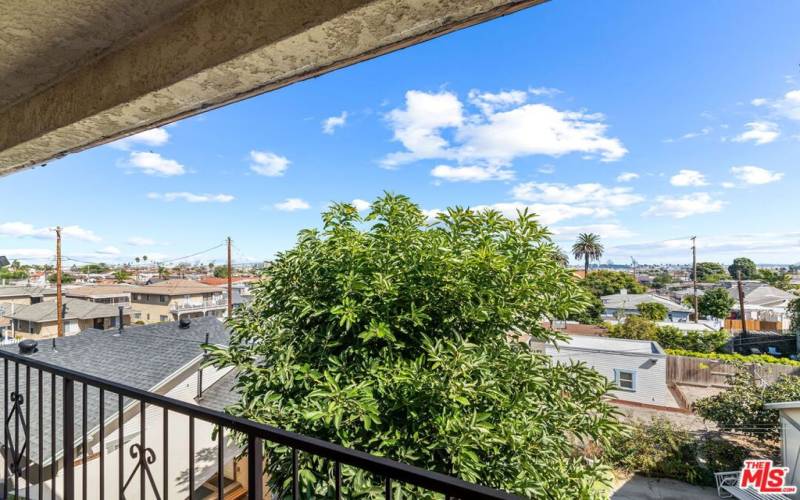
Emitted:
pixel 389 335
pixel 744 265
pixel 710 272
pixel 163 272
pixel 65 278
pixel 592 314
pixel 776 278
pixel 605 282
pixel 588 248
pixel 221 272
pixel 740 408
pixel 635 328
pixel 716 303
pixel 662 279
pixel 653 311
pixel 121 275
pixel 794 315
pixel 669 337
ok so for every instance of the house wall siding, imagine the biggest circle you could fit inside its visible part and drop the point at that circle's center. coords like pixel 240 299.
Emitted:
pixel 651 378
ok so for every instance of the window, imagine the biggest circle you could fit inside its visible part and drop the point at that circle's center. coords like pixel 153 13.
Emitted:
pixel 162 298
pixel 625 379
pixel 163 318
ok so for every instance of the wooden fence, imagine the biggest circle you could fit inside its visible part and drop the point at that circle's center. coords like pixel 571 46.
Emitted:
pixel 711 372
pixel 753 325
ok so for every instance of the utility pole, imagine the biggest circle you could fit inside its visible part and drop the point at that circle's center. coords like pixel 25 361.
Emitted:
pixel 694 277
pixel 230 281
pixel 741 302
pixel 59 306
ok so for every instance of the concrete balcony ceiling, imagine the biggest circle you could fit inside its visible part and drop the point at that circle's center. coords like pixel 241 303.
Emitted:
pixel 78 73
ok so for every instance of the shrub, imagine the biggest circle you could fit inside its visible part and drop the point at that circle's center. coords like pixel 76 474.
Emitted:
pixel 670 337
pixel 740 408
pixel 661 448
pixel 634 327
pixel 653 311
pixel 757 359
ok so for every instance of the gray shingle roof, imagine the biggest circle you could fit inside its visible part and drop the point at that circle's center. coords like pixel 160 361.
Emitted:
pixel 25 291
pixel 222 393
pixel 143 357
pixel 46 311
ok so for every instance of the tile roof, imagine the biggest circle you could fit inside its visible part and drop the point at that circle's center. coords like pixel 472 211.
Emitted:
pixel 176 287
pixel 46 311
pixel 144 357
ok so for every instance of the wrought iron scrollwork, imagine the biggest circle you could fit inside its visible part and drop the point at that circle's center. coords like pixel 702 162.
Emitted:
pixel 15 466
pixel 144 458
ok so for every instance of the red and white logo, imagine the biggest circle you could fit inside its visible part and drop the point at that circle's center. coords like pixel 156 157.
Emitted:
pixel 765 478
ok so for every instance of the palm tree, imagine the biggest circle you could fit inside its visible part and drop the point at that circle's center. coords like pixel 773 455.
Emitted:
pixel 588 247
pixel 561 257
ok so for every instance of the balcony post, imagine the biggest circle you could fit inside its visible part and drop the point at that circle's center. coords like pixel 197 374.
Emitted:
pixel 69 439
pixel 255 468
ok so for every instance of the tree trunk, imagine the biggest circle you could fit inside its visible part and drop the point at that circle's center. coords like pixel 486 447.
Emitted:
pixel 586 266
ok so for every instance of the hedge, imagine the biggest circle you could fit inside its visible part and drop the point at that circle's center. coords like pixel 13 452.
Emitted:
pixel 758 359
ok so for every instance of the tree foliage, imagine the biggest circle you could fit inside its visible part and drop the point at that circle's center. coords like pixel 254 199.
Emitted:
pixel 662 279
pixel 653 311
pixel 740 408
pixel 604 282
pixel 716 303
pixel 744 265
pixel 710 272
pixel 669 337
pixel 794 315
pixel 221 272
pixel 389 336
pixel 588 248
pixel 776 278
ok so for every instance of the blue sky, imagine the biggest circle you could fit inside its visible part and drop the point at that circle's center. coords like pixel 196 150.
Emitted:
pixel 645 122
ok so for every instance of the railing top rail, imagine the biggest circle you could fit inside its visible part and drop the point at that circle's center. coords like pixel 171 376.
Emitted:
pixel 382 466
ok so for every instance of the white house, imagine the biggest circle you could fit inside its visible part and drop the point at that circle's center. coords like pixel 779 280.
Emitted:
pixel 637 367
pixel 625 304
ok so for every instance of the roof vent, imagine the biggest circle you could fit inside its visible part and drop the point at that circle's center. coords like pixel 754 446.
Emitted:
pixel 184 323
pixel 28 346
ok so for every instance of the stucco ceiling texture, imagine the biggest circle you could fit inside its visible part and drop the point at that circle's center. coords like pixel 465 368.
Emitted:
pixel 42 40
pixel 78 73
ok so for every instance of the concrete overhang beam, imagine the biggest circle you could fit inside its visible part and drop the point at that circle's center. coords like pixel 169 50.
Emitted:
pixel 203 55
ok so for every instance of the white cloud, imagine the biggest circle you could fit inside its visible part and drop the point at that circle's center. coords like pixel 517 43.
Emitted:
pixel 680 207
pixel 588 194
pixel 269 164
pixel 686 178
pixel 546 169
pixel 759 101
pixel 750 174
pixel 360 204
pixel 41 254
pixel 627 176
pixel 692 135
pixel 153 138
pixel 547 213
pixel 154 164
pixel 292 204
pixel 109 250
pixel 24 230
pixel 472 173
pixel 503 129
pixel 787 106
pixel 489 102
pixel 431 214
pixel 138 241
pixel 760 132
pixel 330 124
pixel 728 185
pixel 604 230
pixel 543 91
pixel 191 197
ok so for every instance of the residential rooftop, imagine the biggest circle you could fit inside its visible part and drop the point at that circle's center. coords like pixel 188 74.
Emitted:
pixel 25 291
pixel 631 300
pixel 608 344
pixel 175 287
pixel 47 311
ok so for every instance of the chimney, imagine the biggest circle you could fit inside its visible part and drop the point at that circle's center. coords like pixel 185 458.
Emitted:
pixel 121 319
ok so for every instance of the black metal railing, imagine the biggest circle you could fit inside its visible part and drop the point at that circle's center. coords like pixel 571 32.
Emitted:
pixel 68 449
